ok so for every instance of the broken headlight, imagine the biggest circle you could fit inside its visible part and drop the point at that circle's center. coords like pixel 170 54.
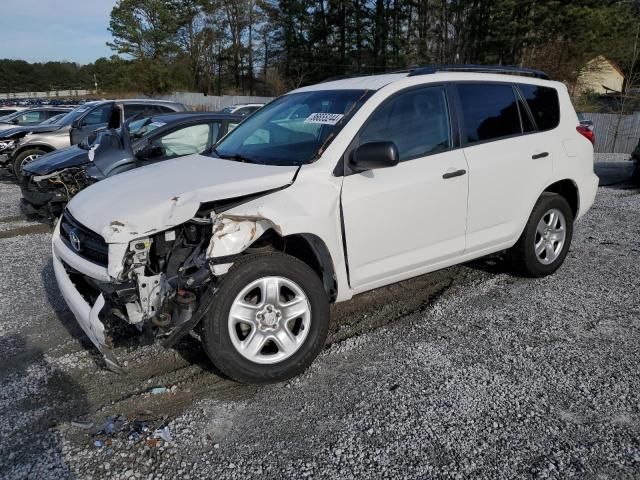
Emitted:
pixel 7 144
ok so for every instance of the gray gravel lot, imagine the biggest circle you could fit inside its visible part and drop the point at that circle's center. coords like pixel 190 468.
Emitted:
pixel 465 373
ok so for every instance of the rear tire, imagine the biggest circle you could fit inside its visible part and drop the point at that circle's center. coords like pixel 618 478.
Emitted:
pixel 25 157
pixel 269 319
pixel 546 238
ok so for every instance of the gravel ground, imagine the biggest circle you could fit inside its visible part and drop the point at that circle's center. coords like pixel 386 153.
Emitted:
pixel 465 373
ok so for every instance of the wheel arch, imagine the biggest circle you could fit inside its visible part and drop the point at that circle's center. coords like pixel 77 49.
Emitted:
pixel 32 146
pixel 308 248
pixel 568 189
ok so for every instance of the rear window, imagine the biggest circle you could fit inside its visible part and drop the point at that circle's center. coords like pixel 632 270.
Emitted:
pixel 544 105
pixel 490 111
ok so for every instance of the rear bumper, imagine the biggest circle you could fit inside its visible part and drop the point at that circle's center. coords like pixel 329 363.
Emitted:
pixel 86 315
pixel 588 190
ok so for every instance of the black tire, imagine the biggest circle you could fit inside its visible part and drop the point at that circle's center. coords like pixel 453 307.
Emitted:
pixel 523 257
pixel 215 332
pixel 19 159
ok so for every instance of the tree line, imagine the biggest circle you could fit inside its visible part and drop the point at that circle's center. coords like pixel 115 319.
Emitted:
pixel 270 46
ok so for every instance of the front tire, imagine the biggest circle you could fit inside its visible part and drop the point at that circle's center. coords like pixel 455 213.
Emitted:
pixel 269 319
pixel 545 241
pixel 25 157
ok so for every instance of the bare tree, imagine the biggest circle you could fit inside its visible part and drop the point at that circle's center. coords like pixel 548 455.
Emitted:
pixel 631 82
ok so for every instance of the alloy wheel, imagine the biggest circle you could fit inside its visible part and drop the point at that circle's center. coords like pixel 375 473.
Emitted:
pixel 28 159
pixel 551 233
pixel 269 320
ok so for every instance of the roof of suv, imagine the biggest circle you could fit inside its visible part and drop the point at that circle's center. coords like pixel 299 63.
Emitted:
pixel 376 82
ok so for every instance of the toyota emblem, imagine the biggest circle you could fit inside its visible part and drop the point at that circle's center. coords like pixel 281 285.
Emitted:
pixel 75 240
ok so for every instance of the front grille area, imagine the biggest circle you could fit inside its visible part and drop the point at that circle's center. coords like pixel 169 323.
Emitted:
pixel 92 246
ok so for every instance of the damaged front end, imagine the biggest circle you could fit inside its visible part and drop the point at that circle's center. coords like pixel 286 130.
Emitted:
pixel 47 195
pixel 164 283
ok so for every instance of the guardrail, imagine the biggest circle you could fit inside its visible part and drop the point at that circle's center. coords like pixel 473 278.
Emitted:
pixel 50 94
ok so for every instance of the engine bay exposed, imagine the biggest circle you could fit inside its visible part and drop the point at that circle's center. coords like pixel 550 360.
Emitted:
pixel 48 194
pixel 169 278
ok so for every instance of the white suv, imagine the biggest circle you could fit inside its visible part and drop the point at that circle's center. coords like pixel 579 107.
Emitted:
pixel 383 178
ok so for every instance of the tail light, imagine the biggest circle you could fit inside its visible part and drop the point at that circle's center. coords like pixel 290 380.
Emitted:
pixel 587 133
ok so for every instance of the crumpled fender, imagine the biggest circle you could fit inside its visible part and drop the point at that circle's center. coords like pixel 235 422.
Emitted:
pixel 232 235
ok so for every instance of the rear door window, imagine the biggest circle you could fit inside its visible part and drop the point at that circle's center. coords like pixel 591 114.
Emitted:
pixel 417 121
pixel 98 115
pixel 32 117
pixel 144 110
pixel 490 111
pixel 544 105
pixel 163 109
pixel 52 113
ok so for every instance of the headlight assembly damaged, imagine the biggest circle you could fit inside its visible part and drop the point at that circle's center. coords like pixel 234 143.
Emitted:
pixel 166 281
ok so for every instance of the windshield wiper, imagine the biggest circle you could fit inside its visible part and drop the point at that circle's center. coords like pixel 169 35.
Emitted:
pixel 235 157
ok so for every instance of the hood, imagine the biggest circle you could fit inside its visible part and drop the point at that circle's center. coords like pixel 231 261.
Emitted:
pixel 26 129
pixel 156 197
pixel 58 160
pixel 7 126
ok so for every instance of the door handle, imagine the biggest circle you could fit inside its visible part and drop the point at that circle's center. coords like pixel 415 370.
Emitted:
pixel 540 155
pixel 457 173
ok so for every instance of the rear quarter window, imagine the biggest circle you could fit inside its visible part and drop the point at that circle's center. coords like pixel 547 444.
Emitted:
pixel 544 105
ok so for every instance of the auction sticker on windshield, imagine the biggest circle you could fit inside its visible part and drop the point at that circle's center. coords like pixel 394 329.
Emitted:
pixel 324 118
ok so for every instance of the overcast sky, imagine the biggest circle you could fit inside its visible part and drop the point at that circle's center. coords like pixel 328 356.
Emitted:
pixel 41 30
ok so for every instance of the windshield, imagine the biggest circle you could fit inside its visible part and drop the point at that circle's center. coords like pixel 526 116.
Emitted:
pixel 7 118
pixel 293 129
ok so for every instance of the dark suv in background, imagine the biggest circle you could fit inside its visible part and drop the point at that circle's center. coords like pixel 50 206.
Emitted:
pixel 49 182
pixel 32 142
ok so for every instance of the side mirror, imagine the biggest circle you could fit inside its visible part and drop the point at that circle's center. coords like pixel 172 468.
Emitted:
pixel 15 120
pixel 372 155
pixel 149 151
pixel 77 124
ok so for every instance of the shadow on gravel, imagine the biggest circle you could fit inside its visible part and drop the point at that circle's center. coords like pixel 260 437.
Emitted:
pixel 5 176
pixel 494 265
pixel 193 353
pixel 35 397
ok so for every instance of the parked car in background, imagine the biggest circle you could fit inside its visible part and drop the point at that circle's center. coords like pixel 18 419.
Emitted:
pixel 50 181
pixel 243 109
pixel 31 116
pixel 386 178
pixel 78 124
pixel 635 157
pixel 8 139
pixel 4 111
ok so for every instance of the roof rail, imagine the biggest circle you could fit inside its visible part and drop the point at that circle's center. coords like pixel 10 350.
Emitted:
pixel 502 69
pixel 357 75
pixel 345 77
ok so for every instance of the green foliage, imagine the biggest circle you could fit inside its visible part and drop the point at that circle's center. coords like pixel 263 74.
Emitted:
pixel 268 46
